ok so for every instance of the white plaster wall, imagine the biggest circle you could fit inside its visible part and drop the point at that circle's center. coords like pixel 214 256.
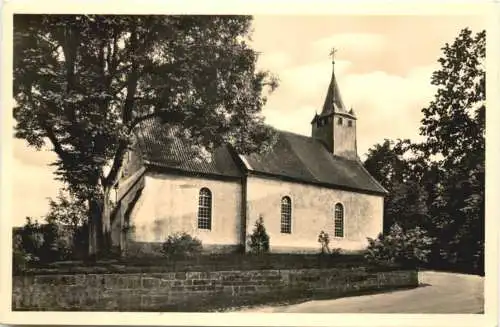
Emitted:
pixel 344 138
pixel 169 204
pixel 312 211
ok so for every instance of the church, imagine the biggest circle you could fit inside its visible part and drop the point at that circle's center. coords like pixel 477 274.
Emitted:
pixel 300 187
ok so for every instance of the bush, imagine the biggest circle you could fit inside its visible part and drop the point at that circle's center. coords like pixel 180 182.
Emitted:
pixel 40 243
pixel 31 238
pixel 259 239
pixel 20 258
pixel 181 245
pixel 409 248
pixel 336 252
pixel 324 240
pixel 55 246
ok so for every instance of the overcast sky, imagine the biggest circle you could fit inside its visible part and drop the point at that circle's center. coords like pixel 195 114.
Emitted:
pixel 383 66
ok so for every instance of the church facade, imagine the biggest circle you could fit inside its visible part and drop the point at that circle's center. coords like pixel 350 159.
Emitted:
pixel 300 187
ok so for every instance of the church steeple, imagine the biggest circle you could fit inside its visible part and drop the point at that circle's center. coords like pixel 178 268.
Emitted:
pixel 335 126
pixel 333 101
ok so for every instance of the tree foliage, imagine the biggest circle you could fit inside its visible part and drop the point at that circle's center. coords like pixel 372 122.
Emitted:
pixel 454 126
pixel 400 169
pixel 84 82
pixel 67 210
pixel 439 184
pixel 36 242
pixel 70 214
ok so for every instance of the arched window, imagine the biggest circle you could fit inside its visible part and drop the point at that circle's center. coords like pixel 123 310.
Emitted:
pixel 339 121
pixel 339 220
pixel 205 209
pixel 286 215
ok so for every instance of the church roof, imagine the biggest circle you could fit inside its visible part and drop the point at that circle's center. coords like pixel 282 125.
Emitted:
pixel 162 149
pixel 305 159
pixel 294 157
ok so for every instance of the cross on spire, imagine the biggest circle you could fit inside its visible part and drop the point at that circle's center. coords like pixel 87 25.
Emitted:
pixel 332 54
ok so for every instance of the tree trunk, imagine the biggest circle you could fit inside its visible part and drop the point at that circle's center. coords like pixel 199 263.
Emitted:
pixel 94 226
pixel 106 221
pixel 100 226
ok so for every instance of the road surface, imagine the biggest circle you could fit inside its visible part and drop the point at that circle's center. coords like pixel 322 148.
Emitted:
pixel 440 293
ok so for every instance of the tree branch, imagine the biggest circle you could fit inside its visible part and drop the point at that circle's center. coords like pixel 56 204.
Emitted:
pixel 114 56
pixel 63 155
pixel 132 80
pixel 117 164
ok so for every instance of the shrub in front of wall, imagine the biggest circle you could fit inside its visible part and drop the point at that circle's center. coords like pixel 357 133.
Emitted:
pixel 20 258
pixel 410 248
pixel 43 243
pixel 324 240
pixel 181 245
pixel 259 239
pixel 31 238
pixel 55 245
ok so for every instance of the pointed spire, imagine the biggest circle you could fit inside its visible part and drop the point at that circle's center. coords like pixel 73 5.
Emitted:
pixel 333 101
pixel 351 112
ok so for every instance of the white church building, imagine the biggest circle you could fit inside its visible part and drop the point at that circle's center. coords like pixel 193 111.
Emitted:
pixel 302 186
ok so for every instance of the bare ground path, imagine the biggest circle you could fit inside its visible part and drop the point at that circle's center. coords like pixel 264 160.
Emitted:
pixel 440 293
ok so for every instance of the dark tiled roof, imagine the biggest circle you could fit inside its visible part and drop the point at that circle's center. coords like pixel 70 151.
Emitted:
pixel 161 148
pixel 303 158
pixel 293 156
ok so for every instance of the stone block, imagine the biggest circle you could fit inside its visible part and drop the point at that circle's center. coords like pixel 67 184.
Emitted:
pixel 180 275
pixel 149 283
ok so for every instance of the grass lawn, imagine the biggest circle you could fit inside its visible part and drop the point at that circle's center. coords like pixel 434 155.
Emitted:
pixel 207 262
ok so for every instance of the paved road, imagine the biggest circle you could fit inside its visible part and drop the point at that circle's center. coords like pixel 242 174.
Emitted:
pixel 439 293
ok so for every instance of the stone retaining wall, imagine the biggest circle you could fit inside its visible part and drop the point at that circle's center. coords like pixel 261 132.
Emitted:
pixel 194 291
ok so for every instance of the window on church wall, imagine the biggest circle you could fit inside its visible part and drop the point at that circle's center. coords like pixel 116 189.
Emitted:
pixel 205 209
pixel 349 123
pixel 286 215
pixel 339 220
pixel 339 121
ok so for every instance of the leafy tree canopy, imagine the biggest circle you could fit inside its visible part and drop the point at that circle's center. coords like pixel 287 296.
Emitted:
pixel 439 183
pixel 83 82
pixel 67 210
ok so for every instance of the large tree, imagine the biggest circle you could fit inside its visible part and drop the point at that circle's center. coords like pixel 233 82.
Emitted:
pixel 454 127
pixel 401 170
pixel 84 82
pixel 439 183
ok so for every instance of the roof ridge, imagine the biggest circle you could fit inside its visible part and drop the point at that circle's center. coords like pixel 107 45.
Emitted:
pixel 297 134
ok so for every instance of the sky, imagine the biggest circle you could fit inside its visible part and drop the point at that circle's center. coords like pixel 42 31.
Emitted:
pixel 383 67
